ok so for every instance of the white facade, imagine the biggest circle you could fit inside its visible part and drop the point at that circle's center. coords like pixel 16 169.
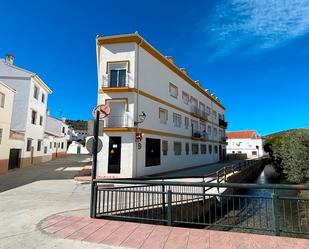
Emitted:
pixel 134 78
pixel 252 145
pixel 77 148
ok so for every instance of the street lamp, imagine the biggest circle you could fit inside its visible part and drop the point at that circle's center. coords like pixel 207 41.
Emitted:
pixel 141 118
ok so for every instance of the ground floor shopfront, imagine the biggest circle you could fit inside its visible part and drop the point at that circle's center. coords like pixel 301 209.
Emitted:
pixel 123 156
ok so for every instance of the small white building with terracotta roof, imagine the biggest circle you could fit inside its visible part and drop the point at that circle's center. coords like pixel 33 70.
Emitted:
pixel 245 142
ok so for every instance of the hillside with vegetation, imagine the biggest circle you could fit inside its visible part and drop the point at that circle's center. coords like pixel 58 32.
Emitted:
pixel 289 152
pixel 77 124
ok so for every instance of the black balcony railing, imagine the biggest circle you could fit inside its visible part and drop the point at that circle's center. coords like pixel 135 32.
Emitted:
pixel 222 123
pixel 196 133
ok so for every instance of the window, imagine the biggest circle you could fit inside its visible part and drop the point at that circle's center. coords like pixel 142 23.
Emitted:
pixel 208 110
pixel 36 92
pixel 29 144
pixel 173 90
pixel 2 100
pixel 202 107
pixel 177 148
pixel 186 122
pixel 50 145
pixel 216 149
pixel 239 152
pixel 117 74
pixel 176 120
pixel 43 98
pixel 33 117
pixel 41 120
pixel 203 148
pixel 62 145
pixel 185 98
pixel 194 124
pixel 193 102
pixel 233 152
pixel 39 145
pixel 187 148
pixel 215 131
pixel 210 149
pixel 214 114
pixel 163 114
pixel 254 153
pixel 55 144
pixel 209 130
pixel 203 128
pixel 194 149
pixel 45 149
pixel 164 147
pixel 1 131
pixel 63 129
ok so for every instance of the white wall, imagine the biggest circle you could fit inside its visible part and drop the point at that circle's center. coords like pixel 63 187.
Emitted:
pixel 246 145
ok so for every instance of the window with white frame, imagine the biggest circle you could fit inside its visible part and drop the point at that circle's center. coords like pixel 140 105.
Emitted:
pixel 33 117
pixel 2 100
pixel 177 148
pixel 209 130
pixel 173 90
pixel 41 120
pixel 164 147
pixel 29 144
pixel 203 148
pixel 187 148
pixel 210 149
pixel 43 98
pixel 194 124
pixel 187 123
pixel 215 131
pixel 208 110
pixel 203 128
pixel 39 145
pixel 202 107
pixel 216 149
pixel 163 115
pixel 176 120
pixel 117 72
pixel 214 114
pixel 193 102
pixel 36 92
pixel 185 98
pixel 194 149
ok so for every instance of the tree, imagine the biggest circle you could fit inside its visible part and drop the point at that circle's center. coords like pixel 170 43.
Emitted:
pixel 290 154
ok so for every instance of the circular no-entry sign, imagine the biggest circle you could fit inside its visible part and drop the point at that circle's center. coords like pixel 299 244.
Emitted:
pixel 103 109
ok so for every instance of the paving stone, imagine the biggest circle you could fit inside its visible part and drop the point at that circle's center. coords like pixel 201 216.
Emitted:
pixel 139 235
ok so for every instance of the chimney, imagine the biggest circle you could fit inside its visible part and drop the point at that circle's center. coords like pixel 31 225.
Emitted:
pixel 9 58
pixel 170 59
pixel 184 71
pixel 63 119
pixel 197 82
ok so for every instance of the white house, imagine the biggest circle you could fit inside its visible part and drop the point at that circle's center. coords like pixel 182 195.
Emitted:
pixel 29 109
pixel 181 124
pixel 245 142
pixel 56 140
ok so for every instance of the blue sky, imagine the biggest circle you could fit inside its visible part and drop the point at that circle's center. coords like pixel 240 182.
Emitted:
pixel 252 54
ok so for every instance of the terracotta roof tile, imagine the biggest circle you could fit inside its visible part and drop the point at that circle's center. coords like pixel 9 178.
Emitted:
pixel 241 134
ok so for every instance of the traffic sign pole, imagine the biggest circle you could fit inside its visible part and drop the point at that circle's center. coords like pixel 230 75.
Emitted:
pixel 93 199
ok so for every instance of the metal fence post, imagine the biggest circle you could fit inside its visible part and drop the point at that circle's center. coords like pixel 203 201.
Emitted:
pixel 169 208
pixel 93 200
pixel 163 201
pixel 225 174
pixel 275 213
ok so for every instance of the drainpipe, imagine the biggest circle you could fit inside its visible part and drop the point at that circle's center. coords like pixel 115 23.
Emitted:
pixel 137 103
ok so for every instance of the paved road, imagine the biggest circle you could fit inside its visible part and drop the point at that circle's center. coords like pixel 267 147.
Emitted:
pixel 30 195
pixel 63 168
pixel 201 170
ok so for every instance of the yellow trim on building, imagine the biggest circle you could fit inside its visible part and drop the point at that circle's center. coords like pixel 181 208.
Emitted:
pixel 155 53
pixel 147 95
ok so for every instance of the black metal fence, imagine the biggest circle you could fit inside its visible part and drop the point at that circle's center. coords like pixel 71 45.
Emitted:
pixel 206 202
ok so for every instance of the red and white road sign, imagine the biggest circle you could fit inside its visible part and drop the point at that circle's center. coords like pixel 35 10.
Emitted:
pixel 103 109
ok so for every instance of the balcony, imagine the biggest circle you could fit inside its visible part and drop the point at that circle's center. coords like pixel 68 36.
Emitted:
pixel 195 111
pixel 222 123
pixel 196 133
pixel 118 83
pixel 204 136
pixel 116 121
pixel 204 115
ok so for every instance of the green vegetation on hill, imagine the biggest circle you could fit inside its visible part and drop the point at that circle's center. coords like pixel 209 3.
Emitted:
pixel 289 152
pixel 77 124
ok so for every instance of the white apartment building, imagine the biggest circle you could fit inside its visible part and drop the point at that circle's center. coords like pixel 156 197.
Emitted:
pixel 29 109
pixel 245 142
pixel 56 141
pixel 182 125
